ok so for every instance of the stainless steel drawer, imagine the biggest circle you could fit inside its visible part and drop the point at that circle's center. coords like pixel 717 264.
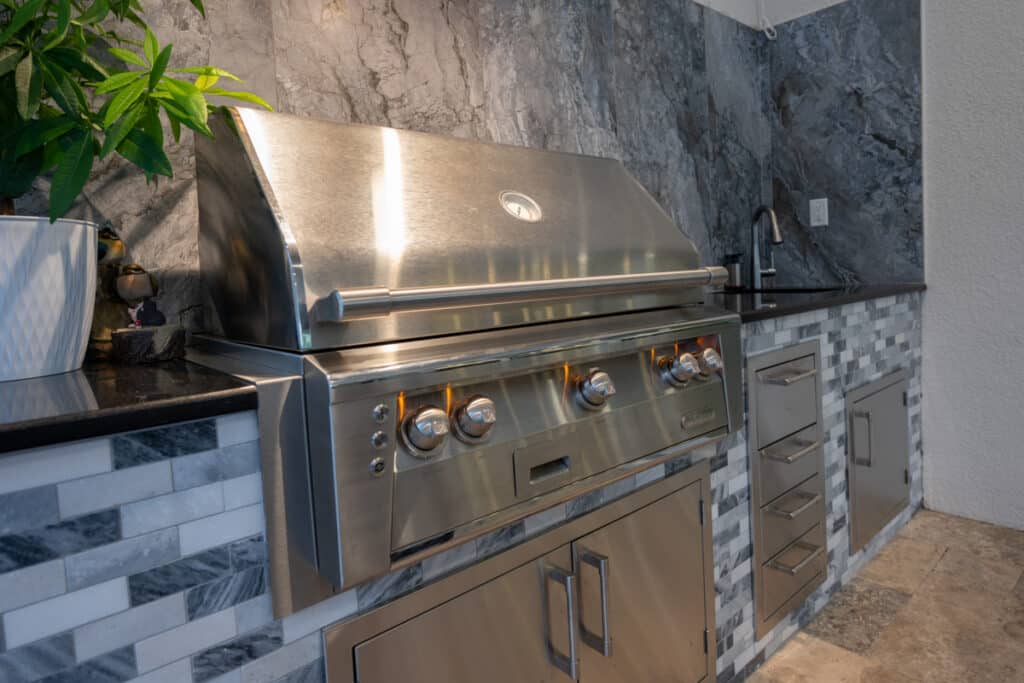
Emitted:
pixel 787 399
pixel 786 463
pixel 792 569
pixel 792 515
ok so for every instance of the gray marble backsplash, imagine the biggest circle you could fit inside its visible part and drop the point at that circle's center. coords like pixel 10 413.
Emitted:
pixel 846 125
pixel 708 115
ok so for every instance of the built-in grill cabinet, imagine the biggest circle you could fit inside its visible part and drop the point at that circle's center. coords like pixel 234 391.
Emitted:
pixel 879 455
pixel 788 475
pixel 620 595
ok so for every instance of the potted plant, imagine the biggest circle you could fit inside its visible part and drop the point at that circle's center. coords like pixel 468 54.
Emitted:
pixel 76 86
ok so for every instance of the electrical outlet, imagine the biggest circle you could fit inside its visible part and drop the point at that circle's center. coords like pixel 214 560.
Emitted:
pixel 819 213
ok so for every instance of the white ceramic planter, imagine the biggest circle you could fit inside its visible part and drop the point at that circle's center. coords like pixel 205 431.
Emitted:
pixel 47 292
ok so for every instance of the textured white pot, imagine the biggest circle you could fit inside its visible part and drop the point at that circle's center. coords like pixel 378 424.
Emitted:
pixel 47 291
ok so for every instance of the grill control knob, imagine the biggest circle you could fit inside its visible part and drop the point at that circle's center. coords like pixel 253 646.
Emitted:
pixel 427 428
pixel 476 417
pixel 710 361
pixel 679 370
pixel 595 389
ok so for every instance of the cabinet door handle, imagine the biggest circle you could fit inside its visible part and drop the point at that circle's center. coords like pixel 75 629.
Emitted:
pixel 793 514
pixel 815 552
pixel 866 416
pixel 602 643
pixel 805 449
pixel 565 663
pixel 784 379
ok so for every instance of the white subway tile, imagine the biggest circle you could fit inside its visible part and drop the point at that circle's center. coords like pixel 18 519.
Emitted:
pixel 237 428
pixel 178 672
pixel 312 619
pixel 252 614
pixel 242 491
pixel 54 464
pixel 185 640
pixel 32 584
pixel 103 491
pixel 284 660
pixel 67 611
pixel 219 529
pixel 130 626
pixel 175 508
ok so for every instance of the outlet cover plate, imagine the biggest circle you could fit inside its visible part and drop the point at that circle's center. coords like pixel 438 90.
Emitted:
pixel 819 213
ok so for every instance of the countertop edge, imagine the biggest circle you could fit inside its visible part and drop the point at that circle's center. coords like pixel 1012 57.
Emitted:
pixel 830 299
pixel 100 422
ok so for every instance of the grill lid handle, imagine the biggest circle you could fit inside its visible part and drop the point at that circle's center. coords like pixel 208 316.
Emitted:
pixel 343 305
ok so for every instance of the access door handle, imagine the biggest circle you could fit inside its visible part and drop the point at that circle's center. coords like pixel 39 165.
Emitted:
pixel 602 643
pixel 565 663
pixel 785 379
pixel 866 416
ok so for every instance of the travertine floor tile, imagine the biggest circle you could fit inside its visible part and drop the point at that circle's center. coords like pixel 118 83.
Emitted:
pixel 985 541
pixel 806 659
pixel 857 614
pixel 903 564
pixel 963 579
pixel 940 642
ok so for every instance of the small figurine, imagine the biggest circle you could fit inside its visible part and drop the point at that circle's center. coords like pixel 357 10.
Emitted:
pixel 137 288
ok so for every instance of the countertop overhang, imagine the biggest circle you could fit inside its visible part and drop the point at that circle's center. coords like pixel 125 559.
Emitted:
pixel 103 398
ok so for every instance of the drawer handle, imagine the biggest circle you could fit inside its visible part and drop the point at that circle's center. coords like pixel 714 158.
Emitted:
pixel 793 514
pixel 784 379
pixel 806 448
pixel 815 552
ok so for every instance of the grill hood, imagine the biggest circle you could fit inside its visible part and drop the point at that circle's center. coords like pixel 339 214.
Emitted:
pixel 318 235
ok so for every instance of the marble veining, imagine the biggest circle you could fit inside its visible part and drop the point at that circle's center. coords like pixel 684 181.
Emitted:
pixel 57 540
pixel 233 654
pixel 846 125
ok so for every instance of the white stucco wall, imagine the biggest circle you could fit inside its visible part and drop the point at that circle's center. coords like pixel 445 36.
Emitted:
pixel 974 259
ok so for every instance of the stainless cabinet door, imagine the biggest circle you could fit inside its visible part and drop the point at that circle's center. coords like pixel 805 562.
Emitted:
pixel 649 623
pixel 513 629
pixel 879 457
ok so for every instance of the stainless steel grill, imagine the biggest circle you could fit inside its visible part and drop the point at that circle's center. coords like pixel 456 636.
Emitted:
pixel 448 336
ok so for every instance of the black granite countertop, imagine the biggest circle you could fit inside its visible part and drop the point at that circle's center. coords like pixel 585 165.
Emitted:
pixel 103 398
pixel 775 304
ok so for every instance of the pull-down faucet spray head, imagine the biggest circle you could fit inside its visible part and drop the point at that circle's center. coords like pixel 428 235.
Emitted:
pixel 776 233
pixel 757 272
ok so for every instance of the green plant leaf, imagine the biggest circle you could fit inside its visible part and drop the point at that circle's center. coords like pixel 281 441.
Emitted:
pixel 179 117
pixel 189 98
pixel 207 71
pixel 151 123
pixel 127 56
pixel 17 175
pixel 9 58
pixel 22 16
pixel 204 83
pixel 142 150
pixel 96 13
pixel 150 46
pixel 242 96
pixel 198 4
pixel 118 81
pixel 40 132
pixel 72 171
pixel 121 128
pixel 64 90
pixel 29 85
pixel 63 15
pixel 125 98
pixel 159 66
pixel 75 60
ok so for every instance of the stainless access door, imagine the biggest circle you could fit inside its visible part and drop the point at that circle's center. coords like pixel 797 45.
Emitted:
pixel 641 586
pixel 515 628
pixel 879 452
